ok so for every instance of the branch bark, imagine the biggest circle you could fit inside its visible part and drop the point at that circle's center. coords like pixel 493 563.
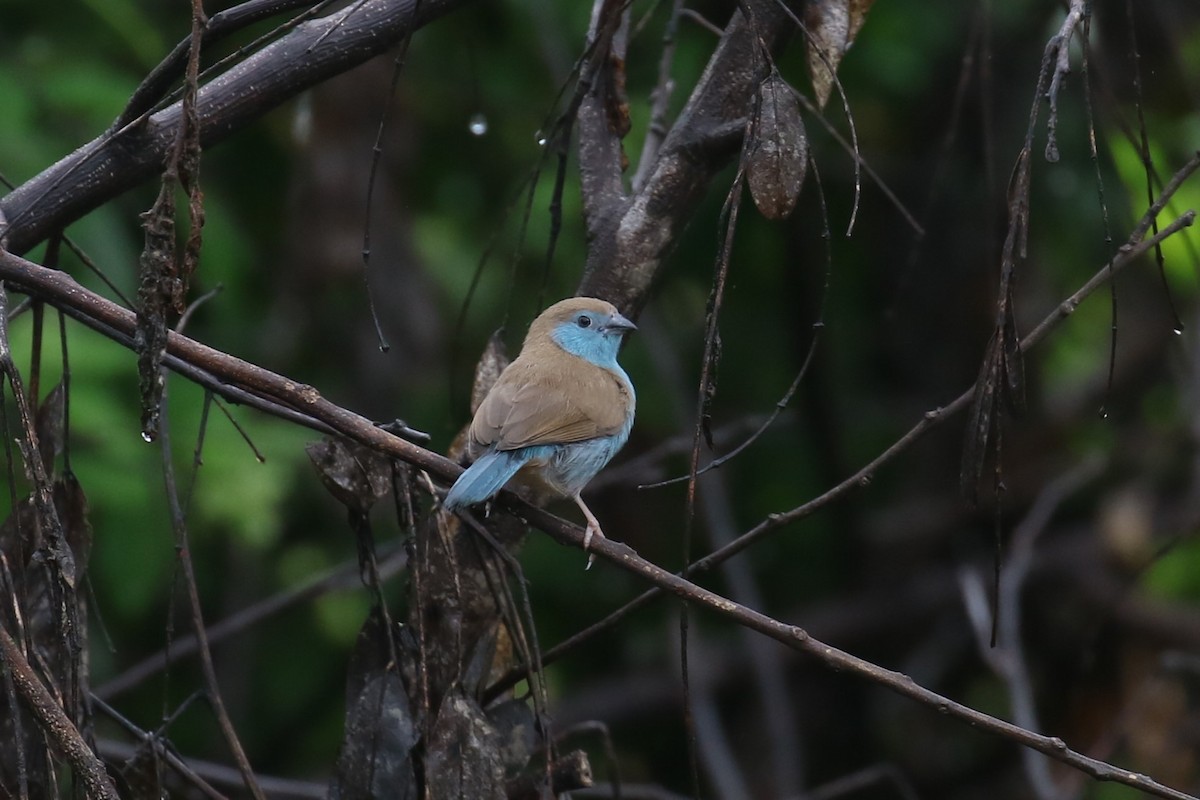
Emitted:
pixel 57 725
pixel 121 159
pixel 631 234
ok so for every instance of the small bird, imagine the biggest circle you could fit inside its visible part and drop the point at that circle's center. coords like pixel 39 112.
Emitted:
pixel 556 414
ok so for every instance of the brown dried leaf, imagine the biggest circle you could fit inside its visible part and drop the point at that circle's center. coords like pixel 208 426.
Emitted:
pixel 616 99
pixel 73 513
pixel 463 752
pixel 356 475
pixel 519 730
pixel 832 27
pixel 778 154
pixel 1001 381
pixel 487 371
pixel 21 532
pixel 380 733
pixel 156 282
pixel 858 16
pixel 141 775
pixel 49 425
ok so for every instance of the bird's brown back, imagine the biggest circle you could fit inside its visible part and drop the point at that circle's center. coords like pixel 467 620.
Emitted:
pixel 548 396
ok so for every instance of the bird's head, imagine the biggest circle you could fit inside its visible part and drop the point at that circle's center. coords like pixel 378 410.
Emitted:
pixel 583 326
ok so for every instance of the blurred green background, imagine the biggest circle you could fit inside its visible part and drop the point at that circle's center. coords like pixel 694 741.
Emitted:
pixel 906 319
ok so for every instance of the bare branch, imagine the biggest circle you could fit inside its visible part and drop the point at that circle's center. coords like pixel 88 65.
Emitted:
pixel 630 236
pixel 57 726
pixel 600 127
pixel 1006 656
pixel 220 25
pixel 342 577
pixel 120 160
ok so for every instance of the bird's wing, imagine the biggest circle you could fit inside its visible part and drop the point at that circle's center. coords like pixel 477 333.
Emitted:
pixel 533 404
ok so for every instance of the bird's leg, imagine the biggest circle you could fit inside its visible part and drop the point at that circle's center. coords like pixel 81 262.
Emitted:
pixel 593 526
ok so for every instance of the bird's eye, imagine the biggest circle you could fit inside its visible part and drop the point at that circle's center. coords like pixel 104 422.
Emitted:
pixel 584 321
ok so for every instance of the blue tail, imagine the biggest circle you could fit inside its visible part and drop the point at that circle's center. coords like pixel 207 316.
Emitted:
pixel 485 477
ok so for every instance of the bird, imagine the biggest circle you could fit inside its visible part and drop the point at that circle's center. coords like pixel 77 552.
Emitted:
pixel 557 414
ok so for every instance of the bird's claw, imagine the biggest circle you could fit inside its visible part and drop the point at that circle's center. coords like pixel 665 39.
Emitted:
pixel 592 530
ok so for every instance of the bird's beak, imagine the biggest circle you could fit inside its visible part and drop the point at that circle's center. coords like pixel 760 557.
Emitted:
pixel 619 323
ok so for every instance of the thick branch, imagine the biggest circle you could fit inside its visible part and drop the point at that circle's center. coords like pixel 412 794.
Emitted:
pixel 631 237
pixel 156 85
pixel 233 378
pixel 116 162
pixel 600 151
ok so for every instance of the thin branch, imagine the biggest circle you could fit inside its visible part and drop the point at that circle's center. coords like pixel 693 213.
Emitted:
pixel 861 161
pixel 660 98
pixel 183 552
pixel 54 722
pixel 602 123
pixel 342 577
pixel 767 661
pixel 158 746
pixel 1059 50
pixel 276 788
pixel 1007 657
pixel 1142 145
pixel 817 327
pixel 720 763
pixel 231 377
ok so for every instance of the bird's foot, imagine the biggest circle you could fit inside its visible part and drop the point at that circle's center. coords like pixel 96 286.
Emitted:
pixel 592 530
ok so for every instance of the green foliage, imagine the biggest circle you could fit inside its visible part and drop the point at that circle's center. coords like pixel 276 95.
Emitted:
pixel 1174 576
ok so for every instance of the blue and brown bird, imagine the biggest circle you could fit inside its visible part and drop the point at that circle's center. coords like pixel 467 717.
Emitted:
pixel 557 413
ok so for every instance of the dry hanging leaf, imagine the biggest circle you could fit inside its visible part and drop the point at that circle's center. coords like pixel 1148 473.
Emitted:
pixel 353 473
pixel 858 15
pixel 778 154
pixel 487 371
pixel 376 758
pixel 832 26
pixel 493 361
pixel 50 424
